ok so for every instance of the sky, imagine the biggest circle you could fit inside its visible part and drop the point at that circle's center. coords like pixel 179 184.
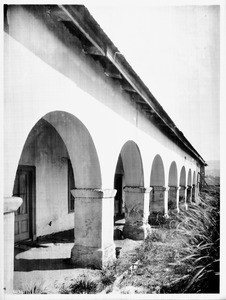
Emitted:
pixel 176 52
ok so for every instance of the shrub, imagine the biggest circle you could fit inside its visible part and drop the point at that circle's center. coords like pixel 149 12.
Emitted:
pixel 35 288
pixel 82 285
pixel 200 227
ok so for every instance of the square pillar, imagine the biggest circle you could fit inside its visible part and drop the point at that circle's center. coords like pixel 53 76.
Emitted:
pixel 172 198
pixel 94 227
pixel 189 191
pixel 183 202
pixel 157 205
pixel 11 204
pixel 166 197
pixel 136 212
pixel 178 198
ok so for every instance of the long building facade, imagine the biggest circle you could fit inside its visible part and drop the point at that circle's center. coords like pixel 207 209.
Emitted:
pixel 85 141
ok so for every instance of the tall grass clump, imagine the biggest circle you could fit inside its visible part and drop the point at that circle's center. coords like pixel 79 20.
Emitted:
pixel 200 228
pixel 82 285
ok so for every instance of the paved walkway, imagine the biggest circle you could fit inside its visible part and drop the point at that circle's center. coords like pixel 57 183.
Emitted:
pixel 46 262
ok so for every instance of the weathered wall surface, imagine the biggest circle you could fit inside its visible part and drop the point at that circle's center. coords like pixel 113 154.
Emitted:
pixel 45 150
pixel 45 72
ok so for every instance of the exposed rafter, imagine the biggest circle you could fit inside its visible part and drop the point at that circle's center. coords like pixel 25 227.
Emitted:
pixel 103 46
pixel 92 50
pixel 127 87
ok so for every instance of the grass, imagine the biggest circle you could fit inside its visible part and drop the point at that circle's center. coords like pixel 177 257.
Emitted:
pixel 81 285
pixel 182 256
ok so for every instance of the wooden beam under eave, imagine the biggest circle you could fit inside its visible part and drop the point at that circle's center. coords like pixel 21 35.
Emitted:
pixel 91 50
pixel 59 14
pixel 127 87
pixel 113 74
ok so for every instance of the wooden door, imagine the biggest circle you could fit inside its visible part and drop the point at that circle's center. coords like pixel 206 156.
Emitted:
pixel 23 188
pixel 118 196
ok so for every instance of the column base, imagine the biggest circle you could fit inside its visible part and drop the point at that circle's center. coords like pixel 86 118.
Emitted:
pixel 136 231
pixel 86 256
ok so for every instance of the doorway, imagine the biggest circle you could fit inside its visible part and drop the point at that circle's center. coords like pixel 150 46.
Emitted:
pixel 24 187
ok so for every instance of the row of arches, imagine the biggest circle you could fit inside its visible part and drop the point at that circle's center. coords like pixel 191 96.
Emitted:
pixel 61 155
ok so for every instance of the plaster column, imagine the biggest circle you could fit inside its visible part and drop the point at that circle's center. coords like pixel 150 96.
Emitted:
pixel 177 198
pixel 166 197
pixel 136 212
pixel 197 191
pixel 183 201
pixel 94 215
pixel 185 197
pixel 157 205
pixel 172 198
pixel 189 192
pixel 11 204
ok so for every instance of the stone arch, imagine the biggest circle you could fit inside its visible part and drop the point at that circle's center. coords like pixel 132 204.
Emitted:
pixel 189 187
pixel 182 189
pixel 182 177
pixel 130 168
pixel 157 172
pixel 157 205
pixel 173 177
pixel 194 178
pixel 58 144
pixel 130 162
pixel 189 178
pixel 80 146
pixel 173 182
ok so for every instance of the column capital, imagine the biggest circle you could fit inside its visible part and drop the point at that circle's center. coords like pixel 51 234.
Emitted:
pixel 137 189
pixel 11 204
pixel 180 188
pixel 93 193
pixel 159 188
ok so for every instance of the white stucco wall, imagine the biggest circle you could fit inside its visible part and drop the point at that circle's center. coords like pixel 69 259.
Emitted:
pixel 43 74
pixel 45 150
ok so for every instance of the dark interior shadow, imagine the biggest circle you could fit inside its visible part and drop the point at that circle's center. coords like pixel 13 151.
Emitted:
pixel 27 265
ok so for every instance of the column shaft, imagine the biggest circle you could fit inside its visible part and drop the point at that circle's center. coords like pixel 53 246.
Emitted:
pixel 136 212
pixel 157 205
pixel 94 215
pixel 11 204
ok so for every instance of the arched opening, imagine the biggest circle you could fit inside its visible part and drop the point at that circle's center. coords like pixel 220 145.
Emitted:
pixel 58 155
pixel 189 187
pixel 173 182
pixel 157 172
pixel 157 182
pixel 119 203
pixel 182 186
pixel 128 174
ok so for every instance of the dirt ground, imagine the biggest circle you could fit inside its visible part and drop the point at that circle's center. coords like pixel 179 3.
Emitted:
pixel 46 262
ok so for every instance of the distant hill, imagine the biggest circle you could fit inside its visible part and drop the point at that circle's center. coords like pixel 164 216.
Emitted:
pixel 213 168
pixel 212 172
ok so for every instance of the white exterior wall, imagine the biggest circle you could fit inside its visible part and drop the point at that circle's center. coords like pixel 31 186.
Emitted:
pixel 61 78
pixel 46 151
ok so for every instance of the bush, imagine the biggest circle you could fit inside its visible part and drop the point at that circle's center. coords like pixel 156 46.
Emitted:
pixel 200 226
pixel 36 288
pixel 82 285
